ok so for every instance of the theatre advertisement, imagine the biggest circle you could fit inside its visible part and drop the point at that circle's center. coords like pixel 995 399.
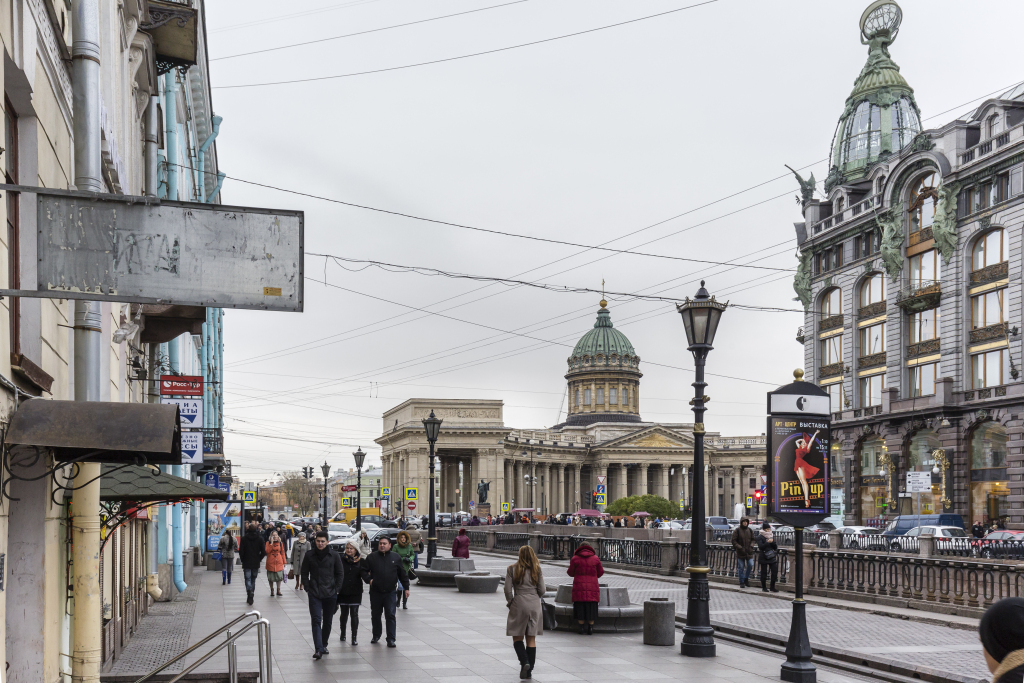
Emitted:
pixel 798 451
pixel 222 516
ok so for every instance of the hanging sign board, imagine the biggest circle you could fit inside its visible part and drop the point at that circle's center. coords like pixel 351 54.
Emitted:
pixel 212 479
pixel 181 385
pixel 191 448
pixel 108 247
pixel 799 437
pixel 191 411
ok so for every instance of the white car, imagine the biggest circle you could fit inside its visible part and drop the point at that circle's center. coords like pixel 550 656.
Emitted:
pixel 862 538
pixel 338 531
pixel 944 535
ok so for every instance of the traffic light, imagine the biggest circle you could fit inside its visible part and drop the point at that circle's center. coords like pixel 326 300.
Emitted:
pixel 588 500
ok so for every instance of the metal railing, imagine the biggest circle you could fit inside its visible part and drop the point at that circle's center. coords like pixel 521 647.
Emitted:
pixel 980 548
pixel 721 560
pixel 510 541
pixel 625 551
pixel 262 639
pixel 477 539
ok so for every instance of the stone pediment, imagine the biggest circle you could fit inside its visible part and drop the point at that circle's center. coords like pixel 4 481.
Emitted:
pixel 652 437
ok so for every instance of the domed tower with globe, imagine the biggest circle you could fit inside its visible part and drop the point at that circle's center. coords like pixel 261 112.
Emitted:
pixel 604 376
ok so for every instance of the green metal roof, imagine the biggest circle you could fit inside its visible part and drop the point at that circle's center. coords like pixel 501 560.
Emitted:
pixel 141 484
pixel 604 339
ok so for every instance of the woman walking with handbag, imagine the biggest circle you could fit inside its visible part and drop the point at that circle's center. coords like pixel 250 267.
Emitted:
pixel 350 597
pixel 276 557
pixel 407 552
pixel 227 548
pixel 585 568
pixel 524 590
pixel 768 555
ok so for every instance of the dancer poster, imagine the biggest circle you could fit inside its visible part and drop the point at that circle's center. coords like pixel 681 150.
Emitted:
pixel 798 449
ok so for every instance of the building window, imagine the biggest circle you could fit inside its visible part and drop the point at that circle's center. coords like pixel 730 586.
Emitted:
pixel 831 349
pixel 989 491
pixel 873 290
pixel 988 308
pixel 905 123
pixel 839 207
pixel 921 458
pixel 865 245
pixel 924 269
pixel 922 379
pixel 829 259
pixel 612 397
pixel 13 264
pixel 994 125
pixel 586 397
pixel 990 369
pixel 871 390
pixel 880 184
pixel 600 397
pixel 989 250
pixel 831 303
pixel 753 483
pixel 872 339
pixel 577 397
pixel 625 397
pixel 1016 181
pixel 924 325
pixel 863 133
pixel 873 491
pixel 922 202
pixel 835 396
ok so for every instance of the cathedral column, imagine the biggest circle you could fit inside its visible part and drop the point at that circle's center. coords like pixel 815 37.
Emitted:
pixel 623 481
pixel 641 480
pixel 663 486
pixel 517 484
pixel 558 473
pixel 468 489
pixel 576 491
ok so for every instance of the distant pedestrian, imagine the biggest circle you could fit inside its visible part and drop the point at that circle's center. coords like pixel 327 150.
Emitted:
pixel 350 597
pixel 364 544
pixel 299 548
pixel 277 556
pixel 743 543
pixel 768 554
pixel 1002 637
pixel 460 546
pixel 416 538
pixel 227 547
pixel 386 572
pixel 252 550
pixel 405 550
pixel 323 575
pixel 585 568
pixel 524 588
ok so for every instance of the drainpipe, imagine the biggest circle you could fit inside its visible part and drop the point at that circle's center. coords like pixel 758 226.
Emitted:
pixel 171 133
pixel 87 654
pixel 152 162
pixel 216 190
pixel 202 156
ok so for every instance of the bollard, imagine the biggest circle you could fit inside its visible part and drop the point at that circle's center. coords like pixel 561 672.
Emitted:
pixel 659 622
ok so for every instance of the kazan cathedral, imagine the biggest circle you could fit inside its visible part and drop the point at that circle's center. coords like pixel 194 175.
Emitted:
pixel 484 466
pixel 910 276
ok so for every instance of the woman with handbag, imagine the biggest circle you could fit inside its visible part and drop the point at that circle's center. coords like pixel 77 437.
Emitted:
pixel 407 552
pixel 768 555
pixel 524 593
pixel 227 548
pixel 276 557
pixel 585 568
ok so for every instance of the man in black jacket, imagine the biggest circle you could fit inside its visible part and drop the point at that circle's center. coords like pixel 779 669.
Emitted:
pixel 386 570
pixel 252 550
pixel 322 577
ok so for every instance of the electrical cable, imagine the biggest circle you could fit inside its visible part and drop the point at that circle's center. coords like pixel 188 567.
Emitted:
pixel 292 15
pixel 466 56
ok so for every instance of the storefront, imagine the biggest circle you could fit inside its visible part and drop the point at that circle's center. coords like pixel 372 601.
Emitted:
pixel 989 491
pixel 921 458
pixel 873 489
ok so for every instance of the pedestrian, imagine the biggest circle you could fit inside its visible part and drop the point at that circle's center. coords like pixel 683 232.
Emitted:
pixel 1002 637
pixel 252 550
pixel 227 548
pixel 406 551
pixel 386 572
pixel 277 556
pixel 416 538
pixel 460 546
pixel 350 597
pixel 286 537
pixel 364 544
pixel 323 574
pixel 978 530
pixel 743 542
pixel 585 568
pixel 768 554
pixel 299 548
pixel 524 588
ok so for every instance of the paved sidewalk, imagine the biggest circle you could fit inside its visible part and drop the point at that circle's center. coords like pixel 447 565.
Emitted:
pixel 873 635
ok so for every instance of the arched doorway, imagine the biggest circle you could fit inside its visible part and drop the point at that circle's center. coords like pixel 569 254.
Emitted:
pixel 920 458
pixel 989 491
pixel 873 491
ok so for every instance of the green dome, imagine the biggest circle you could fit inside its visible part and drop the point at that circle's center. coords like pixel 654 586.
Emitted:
pixel 603 340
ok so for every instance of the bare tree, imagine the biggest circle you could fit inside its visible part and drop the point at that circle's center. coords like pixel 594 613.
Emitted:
pixel 301 493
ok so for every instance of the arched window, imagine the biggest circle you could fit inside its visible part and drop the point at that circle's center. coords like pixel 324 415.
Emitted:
pixel 994 125
pixel 989 491
pixel 839 206
pixel 873 489
pixel 989 250
pixel 880 184
pixel 922 202
pixel 873 290
pixel 831 303
pixel 905 123
pixel 921 458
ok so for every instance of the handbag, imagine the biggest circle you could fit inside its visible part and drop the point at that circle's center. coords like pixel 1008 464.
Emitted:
pixel 770 555
pixel 291 573
pixel 217 556
pixel 549 615
pixel 412 574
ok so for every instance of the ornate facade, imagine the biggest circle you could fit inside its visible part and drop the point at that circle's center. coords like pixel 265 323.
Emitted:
pixel 909 271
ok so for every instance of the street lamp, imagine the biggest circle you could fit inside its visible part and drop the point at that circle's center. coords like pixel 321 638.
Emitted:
pixel 326 469
pixel 432 425
pixel 531 479
pixel 700 318
pixel 359 457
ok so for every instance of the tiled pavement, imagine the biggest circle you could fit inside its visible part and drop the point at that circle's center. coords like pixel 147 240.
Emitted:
pixel 449 637
pixel 164 633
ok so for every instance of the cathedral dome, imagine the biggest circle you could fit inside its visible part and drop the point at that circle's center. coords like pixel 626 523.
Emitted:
pixel 603 340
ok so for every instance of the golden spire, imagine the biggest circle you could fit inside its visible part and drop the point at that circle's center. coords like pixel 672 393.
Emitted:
pixel 604 304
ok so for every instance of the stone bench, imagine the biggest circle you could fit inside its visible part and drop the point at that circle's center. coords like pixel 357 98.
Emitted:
pixel 477 582
pixel 443 571
pixel 615 613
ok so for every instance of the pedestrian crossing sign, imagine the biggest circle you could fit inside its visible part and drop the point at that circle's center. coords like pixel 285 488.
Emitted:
pixel 504 507
pixel 599 499
pixel 412 493
pixel 750 502
pixel 248 496
pixel 346 502
pixel 385 492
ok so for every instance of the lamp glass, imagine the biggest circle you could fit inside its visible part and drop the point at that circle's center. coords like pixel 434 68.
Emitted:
pixel 700 324
pixel 688 324
pixel 359 456
pixel 432 425
pixel 715 316
pixel 326 469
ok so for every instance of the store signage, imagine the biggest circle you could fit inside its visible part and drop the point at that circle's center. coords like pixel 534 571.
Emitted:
pixel 181 385
pixel 191 448
pixel 212 479
pixel 799 437
pixel 191 411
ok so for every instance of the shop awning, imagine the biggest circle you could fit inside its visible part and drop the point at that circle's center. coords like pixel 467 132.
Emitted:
pixel 98 431
pixel 143 485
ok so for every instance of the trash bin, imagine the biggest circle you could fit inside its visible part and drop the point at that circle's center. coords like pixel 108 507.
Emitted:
pixel 659 622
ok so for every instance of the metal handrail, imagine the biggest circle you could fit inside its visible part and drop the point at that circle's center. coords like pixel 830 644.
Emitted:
pixel 202 642
pixel 264 642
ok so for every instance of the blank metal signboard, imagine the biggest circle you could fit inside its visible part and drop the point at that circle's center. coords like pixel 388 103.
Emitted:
pixel 146 250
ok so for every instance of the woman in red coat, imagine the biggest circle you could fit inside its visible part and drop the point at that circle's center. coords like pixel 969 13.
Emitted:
pixel 460 546
pixel 585 569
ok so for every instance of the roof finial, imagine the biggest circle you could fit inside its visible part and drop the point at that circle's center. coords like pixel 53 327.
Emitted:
pixel 604 304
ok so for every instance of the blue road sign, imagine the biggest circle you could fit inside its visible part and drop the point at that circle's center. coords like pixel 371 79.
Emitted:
pixel 601 488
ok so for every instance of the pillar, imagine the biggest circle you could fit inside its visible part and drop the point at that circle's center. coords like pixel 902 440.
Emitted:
pixel 558 473
pixel 577 490
pixel 622 484
pixel 662 487
pixel 641 479
pixel 468 489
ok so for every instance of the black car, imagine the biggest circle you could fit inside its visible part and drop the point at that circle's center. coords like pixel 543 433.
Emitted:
pixel 376 535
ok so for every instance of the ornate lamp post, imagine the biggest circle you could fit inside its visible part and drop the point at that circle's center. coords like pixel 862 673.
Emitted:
pixel 700 318
pixel 359 457
pixel 326 469
pixel 433 426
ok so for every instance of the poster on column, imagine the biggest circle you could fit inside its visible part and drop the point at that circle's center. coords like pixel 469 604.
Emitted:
pixel 222 516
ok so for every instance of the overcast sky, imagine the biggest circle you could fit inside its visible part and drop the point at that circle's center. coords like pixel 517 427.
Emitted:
pixel 588 139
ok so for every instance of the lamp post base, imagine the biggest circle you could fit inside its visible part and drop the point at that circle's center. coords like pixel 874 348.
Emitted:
pixel 798 667
pixel 698 635
pixel 698 641
pixel 799 672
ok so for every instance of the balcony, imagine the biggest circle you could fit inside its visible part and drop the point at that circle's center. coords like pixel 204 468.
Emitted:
pixel 833 370
pixel 915 298
pixel 871 310
pixel 872 361
pixel 985 148
pixel 993 273
pixel 213 440
pixel 848 214
pixel 925 348
pixel 830 323
pixel 173 27
pixel 922 235
pixel 989 333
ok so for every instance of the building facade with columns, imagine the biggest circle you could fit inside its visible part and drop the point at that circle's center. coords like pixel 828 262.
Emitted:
pixel 480 463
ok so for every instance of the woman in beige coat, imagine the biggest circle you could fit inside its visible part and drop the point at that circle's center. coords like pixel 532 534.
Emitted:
pixel 524 588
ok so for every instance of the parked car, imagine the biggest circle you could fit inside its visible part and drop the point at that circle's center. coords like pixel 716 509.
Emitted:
pixel 862 538
pixel 721 523
pixel 379 533
pixel 909 540
pixel 1001 544
pixel 444 519
pixel 733 523
pixel 904 523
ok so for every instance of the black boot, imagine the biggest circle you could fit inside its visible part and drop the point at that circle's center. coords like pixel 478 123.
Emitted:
pixel 354 636
pixel 248 597
pixel 524 668
pixel 583 628
pixel 531 657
